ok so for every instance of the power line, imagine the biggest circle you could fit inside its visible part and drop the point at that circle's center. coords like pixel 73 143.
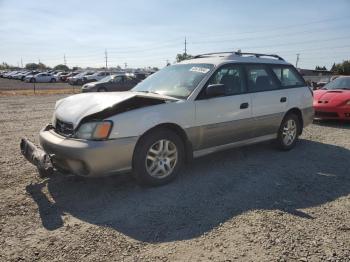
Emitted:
pixel 271 29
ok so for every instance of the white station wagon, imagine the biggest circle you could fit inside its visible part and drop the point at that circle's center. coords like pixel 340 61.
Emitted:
pixel 199 106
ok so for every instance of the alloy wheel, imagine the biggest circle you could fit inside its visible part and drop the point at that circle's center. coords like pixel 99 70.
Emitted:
pixel 289 132
pixel 161 158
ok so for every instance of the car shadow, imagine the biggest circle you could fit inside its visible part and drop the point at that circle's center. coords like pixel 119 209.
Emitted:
pixel 210 191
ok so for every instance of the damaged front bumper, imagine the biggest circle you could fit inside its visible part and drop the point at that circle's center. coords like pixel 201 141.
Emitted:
pixel 37 157
pixel 78 156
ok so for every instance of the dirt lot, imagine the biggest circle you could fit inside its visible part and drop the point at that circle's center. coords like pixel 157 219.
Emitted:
pixel 8 86
pixel 248 204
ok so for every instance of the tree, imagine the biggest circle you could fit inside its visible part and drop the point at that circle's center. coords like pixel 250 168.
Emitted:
pixel 32 66
pixel 61 67
pixel 42 66
pixel 5 66
pixel 321 68
pixel 181 57
pixel 341 68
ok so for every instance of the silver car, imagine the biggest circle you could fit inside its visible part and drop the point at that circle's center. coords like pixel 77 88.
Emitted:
pixel 199 106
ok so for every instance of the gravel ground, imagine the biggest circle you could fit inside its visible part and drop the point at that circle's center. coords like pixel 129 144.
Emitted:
pixel 12 84
pixel 248 204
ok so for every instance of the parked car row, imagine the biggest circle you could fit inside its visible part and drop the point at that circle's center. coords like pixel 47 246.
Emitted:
pixel 92 76
pixel 73 78
pixel 35 75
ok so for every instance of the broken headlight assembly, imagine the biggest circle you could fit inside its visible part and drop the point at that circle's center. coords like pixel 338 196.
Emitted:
pixel 98 130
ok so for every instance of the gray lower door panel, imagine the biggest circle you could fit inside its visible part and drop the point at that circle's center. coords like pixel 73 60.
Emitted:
pixel 220 133
pixel 268 124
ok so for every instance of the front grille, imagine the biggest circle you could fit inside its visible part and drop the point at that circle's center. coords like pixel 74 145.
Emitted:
pixel 325 114
pixel 64 128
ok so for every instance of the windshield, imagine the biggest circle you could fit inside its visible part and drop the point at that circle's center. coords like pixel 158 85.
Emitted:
pixel 106 79
pixel 176 80
pixel 339 83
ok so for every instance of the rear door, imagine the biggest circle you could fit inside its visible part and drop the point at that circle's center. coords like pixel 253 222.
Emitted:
pixel 269 102
pixel 225 119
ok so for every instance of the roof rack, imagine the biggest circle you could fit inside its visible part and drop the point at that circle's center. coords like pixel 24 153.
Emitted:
pixel 211 54
pixel 257 55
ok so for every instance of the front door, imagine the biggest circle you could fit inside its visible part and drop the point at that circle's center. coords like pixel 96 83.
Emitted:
pixel 225 119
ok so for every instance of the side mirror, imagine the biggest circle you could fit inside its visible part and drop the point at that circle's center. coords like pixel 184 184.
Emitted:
pixel 215 90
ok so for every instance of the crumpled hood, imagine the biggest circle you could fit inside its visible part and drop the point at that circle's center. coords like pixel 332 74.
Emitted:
pixel 74 108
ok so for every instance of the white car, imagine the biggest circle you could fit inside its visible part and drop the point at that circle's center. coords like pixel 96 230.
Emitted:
pixel 57 76
pixel 79 78
pixel 40 78
pixel 95 77
pixel 199 106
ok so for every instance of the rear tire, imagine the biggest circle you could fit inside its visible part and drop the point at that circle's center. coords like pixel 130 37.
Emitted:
pixel 288 132
pixel 158 157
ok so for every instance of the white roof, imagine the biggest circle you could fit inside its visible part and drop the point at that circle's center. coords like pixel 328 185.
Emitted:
pixel 219 58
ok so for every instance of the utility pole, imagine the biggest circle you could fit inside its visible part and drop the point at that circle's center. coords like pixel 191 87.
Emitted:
pixel 21 62
pixel 106 58
pixel 64 60
pixel 126 65
pixel 296 63
pixel 39 60
pixel 185 47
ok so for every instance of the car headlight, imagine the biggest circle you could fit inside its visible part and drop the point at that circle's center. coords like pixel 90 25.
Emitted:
pixel 98 130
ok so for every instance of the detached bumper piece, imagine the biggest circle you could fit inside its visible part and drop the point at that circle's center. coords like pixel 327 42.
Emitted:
pixel 37 157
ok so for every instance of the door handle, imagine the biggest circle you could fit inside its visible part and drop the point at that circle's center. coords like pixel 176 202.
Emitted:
pixel 244 106
pixel 283 99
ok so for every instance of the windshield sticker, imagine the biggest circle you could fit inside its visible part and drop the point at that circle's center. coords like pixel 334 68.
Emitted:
pixel 202 70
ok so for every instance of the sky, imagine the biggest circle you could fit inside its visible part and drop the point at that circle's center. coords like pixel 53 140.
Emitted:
pixel 148 33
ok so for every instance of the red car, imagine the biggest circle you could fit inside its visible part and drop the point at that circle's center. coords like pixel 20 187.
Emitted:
pixel 333 100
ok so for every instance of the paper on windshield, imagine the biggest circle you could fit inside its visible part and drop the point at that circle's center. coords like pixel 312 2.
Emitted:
pixel 197 69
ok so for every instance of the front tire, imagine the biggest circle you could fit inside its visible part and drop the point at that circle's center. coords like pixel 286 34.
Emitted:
pixel 102 89
pixel 288 132
pixel 53 80
pixel 158 157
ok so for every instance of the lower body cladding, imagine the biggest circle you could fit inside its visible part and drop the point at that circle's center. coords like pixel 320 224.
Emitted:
pixel 81 157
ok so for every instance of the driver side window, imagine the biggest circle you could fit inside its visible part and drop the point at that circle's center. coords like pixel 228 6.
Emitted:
pixel 231 76
pixel 118 79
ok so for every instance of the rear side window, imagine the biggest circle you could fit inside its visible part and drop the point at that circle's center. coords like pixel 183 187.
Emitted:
pixel 287 76
pixel 260 79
